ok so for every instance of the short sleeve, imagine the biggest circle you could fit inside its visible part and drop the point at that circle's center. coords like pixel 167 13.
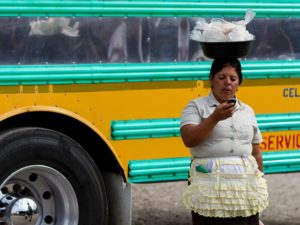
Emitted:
pixel 257 137
pixel 190 115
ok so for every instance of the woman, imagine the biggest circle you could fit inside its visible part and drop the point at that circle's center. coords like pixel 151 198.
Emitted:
pixel 226 184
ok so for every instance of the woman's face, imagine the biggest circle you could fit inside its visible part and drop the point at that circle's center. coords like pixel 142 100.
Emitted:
pixel 225 84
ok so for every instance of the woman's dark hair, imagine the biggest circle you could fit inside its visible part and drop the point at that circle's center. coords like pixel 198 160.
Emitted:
pixel 219 64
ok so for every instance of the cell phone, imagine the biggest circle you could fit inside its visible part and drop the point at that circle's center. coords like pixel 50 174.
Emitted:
pixel 232 100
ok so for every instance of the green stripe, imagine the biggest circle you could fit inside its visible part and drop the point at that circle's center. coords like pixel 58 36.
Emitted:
pixel 136 72
pixel 278 122
pixel 148 8
pixel 153 128
pixel 173 169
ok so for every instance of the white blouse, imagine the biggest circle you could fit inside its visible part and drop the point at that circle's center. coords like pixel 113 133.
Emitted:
pixel 231 137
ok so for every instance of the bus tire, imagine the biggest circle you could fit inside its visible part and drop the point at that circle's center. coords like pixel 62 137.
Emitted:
pixel 52 173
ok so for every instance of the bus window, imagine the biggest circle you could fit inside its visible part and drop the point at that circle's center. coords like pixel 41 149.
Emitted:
pixel 135 39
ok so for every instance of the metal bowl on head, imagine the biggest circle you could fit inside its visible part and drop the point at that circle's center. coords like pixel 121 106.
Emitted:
pixel 233 49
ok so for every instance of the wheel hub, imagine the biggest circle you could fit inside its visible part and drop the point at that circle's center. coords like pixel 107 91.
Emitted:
pixel 38 195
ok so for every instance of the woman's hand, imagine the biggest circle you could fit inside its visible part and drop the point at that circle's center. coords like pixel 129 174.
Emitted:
pixel 224 111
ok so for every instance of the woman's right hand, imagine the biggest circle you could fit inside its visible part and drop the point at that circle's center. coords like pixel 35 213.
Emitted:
pixel 224 111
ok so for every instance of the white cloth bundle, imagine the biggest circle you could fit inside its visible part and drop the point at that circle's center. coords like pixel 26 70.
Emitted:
pixel 219 30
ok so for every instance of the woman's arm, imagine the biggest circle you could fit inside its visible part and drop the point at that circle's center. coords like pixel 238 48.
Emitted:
pixel 258 156
pixel 192 135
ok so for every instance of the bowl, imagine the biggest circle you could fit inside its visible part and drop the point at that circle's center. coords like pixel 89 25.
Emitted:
pixel 232 49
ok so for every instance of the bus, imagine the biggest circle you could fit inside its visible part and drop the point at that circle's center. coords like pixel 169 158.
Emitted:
pixel 92 92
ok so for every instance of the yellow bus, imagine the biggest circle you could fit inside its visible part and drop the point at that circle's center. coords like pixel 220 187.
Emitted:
pixel 92 91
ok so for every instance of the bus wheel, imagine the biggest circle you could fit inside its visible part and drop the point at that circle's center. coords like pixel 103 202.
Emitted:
pixel 47 178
